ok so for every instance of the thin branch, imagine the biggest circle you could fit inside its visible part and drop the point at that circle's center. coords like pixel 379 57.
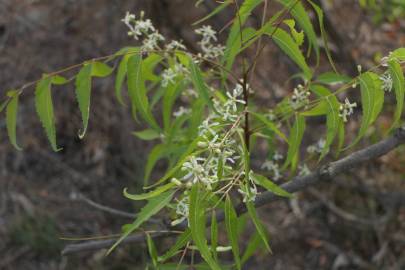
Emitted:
pixel 299 183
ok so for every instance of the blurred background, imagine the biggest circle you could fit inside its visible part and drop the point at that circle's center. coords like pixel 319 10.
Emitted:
pixel 356 222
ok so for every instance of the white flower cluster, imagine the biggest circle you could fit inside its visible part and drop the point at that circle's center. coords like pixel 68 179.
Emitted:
pixel 181 111
pixel 182 210
pixel 346 109
pixel 387 82
pixel 303 170
pixel 229 110
pixel 273 167
pixel 210 51
pixel 169 75
pixel 317 147
pixel 249 190
pixel 300 97
pixel 143 27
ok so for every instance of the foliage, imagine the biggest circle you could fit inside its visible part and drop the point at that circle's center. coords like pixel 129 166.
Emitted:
pixel 208 143
pixel 384 9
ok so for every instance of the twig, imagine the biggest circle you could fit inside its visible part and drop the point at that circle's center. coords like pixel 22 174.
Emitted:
pixel 299 183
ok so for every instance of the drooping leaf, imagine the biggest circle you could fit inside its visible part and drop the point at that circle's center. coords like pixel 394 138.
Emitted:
pixel 372 98
pixel 320 15
pixel 295 139
pixel 259 227
pixel 146 196
pixel 332 115
pixel 231 223
pixel 254 243
pixel 214 234
pixel 398 81
pixel 147 134
pixel 11 118
pixel 83 91
pixel 153 206
pixel 44 108
pixel 137 90
pixel 197 226
pixel 119 80
pixel 270 186
pixel 180 242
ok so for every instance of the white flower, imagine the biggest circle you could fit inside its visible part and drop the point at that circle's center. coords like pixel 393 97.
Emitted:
pixel 277 156
pixel 346 109
pixel 299 97
pixel 175 45
pixel 316 148
pixel 210 51
pixel 233 98
pixel 207 33
pixel 151 43
pixel 182 210
pixel 249 192
pixel 303 170
pixel 181 111
pixel 168 76
pixel 207 126
pixel 273 167
pixel 387 82
pixel 139 27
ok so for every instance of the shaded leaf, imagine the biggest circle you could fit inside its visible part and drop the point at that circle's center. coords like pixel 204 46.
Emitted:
pixel 145 196
pixel 83 91
pixel 44 108
pixel 181 241
pixel 270 186
pixel 151 208
pixel 231 223
pixel 399 87
pixel 11 118
pixel 295 139
pixel 147 134
pixel 270 125
pixel 259 227
pixel 199 83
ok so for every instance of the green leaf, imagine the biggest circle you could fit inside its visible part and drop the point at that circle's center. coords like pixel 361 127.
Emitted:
pixel 231 223
pixel 149 195
pixel 270 125
pixel 99 69
pixel 152 250
pixel 214 12
pixel 197 226
pixel 333 78
pixel 320 15
pixel 181 241
pixel 44 107
pixel 295 139
pixel 83 90
pixel 247 34
pixel 199 84
pixel 333 120
pixel 59 80
pixel 214 234
pixel 259 227
pixel 3 105
pixel 253 244
pixel 137 90
pixel 399 86
pixel 270 186
pixel 398 54
pixel 372 98
pixel 147 134
pixel 298 36
pixel 119 80
pixel 289 47
pixel 157 152
pixel 299 13
pixel 244 12
pixel 153 206
pixel 11 118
